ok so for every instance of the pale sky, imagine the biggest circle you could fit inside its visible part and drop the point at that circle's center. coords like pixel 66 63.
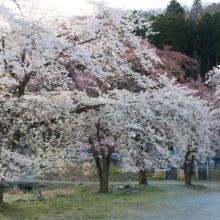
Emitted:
pixel 72 7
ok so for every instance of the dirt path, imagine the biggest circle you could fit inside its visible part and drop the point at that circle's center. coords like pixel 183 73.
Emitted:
pixel 188 204
pixel 189 207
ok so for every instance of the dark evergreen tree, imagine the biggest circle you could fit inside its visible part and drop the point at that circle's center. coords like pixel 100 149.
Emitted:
pixel 176 6
pixel 151 18
pixel 197 36
pixel 190 35
pixel 157 26
pixel 174 31
pixel 171 31
pixel 216 38
pixel 204 43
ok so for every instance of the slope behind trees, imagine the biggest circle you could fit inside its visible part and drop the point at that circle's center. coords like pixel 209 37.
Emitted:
pixel 214 7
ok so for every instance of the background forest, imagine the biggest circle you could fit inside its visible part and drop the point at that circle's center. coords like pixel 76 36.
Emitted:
pixel 192 31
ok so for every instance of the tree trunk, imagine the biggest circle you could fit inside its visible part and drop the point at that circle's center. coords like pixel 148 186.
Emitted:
pixel 188 170
pixel 188 176
pixel 1 193
pixel 104 176
pixel 142 177
pixel 103 171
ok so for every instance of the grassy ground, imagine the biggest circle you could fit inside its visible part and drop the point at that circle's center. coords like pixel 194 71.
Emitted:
pixel 65 201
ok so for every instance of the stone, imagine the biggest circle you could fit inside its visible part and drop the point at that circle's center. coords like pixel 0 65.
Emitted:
pixel 21 200
pixel 126 188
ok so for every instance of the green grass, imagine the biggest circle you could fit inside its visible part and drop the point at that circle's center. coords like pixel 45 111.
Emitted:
pixel 65 201
pixel 115 170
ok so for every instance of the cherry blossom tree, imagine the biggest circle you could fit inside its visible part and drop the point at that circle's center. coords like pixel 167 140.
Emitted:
pixel 213 81
pixel 125 120
pixel 34 78
pixel 107 35
pixel 123 61
pixel 29 71
pixel 172 113
pixel 173 63
pixel 46 63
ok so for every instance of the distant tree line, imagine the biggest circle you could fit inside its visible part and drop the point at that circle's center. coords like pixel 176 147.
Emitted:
pixel 194 11
pixel 197 35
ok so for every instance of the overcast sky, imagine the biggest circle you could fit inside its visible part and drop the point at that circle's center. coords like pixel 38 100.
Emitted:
pixel 73 7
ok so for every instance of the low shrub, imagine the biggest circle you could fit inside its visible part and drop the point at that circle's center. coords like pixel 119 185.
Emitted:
pixel 181 175
pixel 16 191
pixel 158 175
pixel 115 170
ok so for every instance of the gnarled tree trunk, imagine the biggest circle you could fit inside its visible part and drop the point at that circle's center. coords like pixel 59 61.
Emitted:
pixel 1 193
pixel 188 170
pixel 103 171
pixel 142 177
pixel 104 177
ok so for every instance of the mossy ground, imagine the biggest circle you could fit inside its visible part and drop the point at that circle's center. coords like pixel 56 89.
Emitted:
pixel 65 201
